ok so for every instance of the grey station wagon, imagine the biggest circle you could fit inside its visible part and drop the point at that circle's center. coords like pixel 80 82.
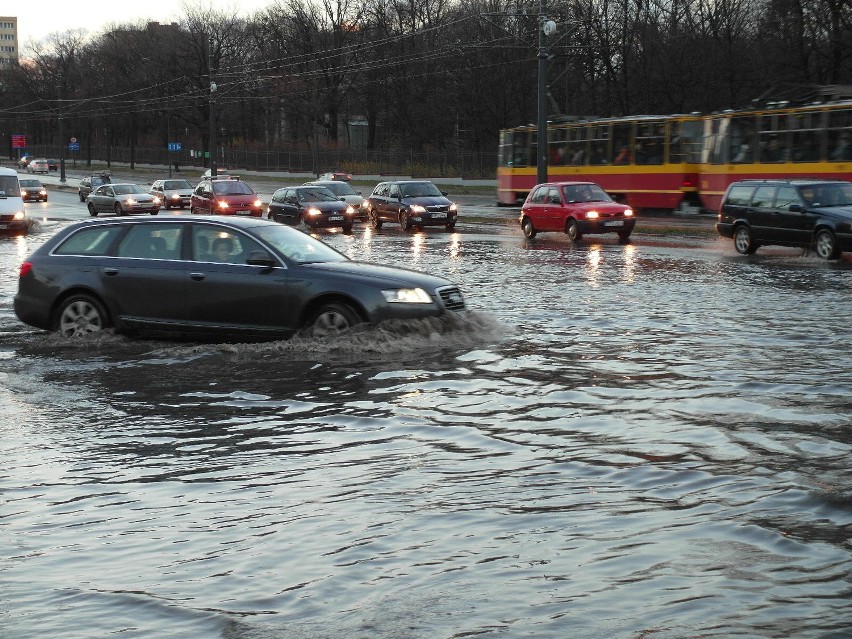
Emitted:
pixel 216 275
pixel 811 213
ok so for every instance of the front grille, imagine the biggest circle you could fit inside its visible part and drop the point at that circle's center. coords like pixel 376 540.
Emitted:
pixel 438 208
pixel 452 298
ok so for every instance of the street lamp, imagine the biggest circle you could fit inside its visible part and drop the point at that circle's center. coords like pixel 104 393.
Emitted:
pixel 212 141
pixel 546 28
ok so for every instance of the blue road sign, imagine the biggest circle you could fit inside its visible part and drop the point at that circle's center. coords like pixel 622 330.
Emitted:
pixel 73 146
pixel 174 146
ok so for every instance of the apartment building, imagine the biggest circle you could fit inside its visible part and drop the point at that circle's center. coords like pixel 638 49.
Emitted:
pixel 8 41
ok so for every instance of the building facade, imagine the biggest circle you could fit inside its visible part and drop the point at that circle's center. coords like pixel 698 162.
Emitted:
pixel 8 41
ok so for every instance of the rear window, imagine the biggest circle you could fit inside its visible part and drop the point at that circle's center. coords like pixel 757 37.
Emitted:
pixel 739 195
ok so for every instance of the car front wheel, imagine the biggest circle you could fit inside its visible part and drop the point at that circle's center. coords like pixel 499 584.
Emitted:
pixel 573 230
pixel 332 319
pixel 92 210
pixel 118 210
pixel 825 245
pixel 743 241
pixel 404 221
pixel 80 315
pixel 528 228
pixel 374 219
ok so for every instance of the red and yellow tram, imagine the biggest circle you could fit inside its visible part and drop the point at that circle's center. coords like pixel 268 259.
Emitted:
pixel 682 161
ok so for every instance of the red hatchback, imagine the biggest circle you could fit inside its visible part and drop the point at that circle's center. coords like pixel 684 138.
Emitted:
pixel 225 195
pixel 575 208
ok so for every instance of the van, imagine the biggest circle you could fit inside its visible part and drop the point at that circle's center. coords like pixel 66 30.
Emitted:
pixel 815 214
pixel 13 218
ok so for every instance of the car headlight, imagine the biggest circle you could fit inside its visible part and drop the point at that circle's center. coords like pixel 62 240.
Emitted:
pixel 130 200
pixel 156 200
pixel 257 204
pixel 43 192
pixel 592 215
pixel 314 211
pixel 222 204
pixel 407 296
pixel 416 208
pixel 628 213
pixel 453 208
pixel 23 193
pixel 20 215
pixel 175 196
pixel 350 210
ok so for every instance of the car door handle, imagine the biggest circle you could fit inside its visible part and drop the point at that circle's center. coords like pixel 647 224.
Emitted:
pixel 197 276
pixel 110 271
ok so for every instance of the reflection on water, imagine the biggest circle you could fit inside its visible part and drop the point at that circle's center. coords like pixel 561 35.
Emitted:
pixel 618 441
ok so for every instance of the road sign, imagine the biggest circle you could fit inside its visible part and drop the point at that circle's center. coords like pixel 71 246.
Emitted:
pixel 73 146
pixel 73 140
pixel 19 141
pixel 174 146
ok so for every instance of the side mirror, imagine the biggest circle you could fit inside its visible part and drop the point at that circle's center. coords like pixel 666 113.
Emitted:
pixel 260 258
pixel 795 208
pixel 444 193
pixel 342 199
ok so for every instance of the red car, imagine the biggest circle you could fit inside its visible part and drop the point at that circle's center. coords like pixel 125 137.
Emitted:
pixel 575 208
pixel 225 195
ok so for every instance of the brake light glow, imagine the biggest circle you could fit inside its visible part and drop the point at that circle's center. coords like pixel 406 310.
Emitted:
pixel 26 268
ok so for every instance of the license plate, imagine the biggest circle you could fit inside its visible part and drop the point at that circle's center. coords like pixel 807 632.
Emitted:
pixel 335 218
pixel 614 223
pixel 243 212
pixel 436 216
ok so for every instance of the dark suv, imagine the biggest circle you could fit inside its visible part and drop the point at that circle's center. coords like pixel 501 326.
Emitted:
pixel 411 203
pixel 91 182
pixel 811 213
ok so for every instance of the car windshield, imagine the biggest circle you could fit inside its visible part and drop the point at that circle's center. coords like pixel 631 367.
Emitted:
pixel 819 195
pixel 318 194
pixel 232 187
pixel 128 189
pixel 419 189
pixel 586 193
pixel 298 246
pixel 31 183
pixel 9 186
pixel 177 184
pixel 340 188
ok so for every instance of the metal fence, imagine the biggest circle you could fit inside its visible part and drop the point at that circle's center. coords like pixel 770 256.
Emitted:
pixel 461 164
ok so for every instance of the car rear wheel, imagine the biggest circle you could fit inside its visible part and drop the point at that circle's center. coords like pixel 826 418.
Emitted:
pixel 332 319
pixel 743 241
pixel 405 221
pixel 624 237
pixel 825 245
pixel 572 229
pixel 80 315
pixel 528 228
pixel 92 210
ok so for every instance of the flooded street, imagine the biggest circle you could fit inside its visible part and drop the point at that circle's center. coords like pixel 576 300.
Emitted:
pixel 636 441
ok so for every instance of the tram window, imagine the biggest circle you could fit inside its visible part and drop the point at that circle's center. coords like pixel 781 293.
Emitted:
pixel 621 144
pixel 763 197
pixel 577 151
pixel 685 142
pixel 842 150
pixel 805 146
pixel 649 143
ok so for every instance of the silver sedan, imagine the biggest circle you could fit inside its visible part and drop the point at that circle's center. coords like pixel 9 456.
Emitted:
pixel 122 199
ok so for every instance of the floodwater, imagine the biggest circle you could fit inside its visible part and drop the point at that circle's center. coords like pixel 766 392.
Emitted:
pixel 643 441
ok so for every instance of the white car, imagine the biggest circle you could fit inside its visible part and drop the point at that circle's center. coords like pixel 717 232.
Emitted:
pixel 175 193
pixel 38 166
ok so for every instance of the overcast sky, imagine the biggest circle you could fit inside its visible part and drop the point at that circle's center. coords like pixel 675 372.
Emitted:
pixel 38 18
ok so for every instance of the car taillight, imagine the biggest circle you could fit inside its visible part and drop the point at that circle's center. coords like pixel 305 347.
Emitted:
pixel 26 267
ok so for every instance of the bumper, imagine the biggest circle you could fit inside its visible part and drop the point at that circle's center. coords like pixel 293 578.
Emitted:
pixel 32 311
pixel 151 209
pixel 15 226
pixel 434 219
pixel 334 221
pixel 592 227
pixel 725 229
pixel 180 202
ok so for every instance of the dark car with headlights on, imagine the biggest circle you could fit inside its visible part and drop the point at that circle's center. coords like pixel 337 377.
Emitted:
pixel 232 277
pixel 225 195
pixel 574 208
pixel 33 190
pixel 412 203
pixel 91 182
pixel 122 199
pixel 345 191
pixel 809 213
pixel 314 206
pixel 172 193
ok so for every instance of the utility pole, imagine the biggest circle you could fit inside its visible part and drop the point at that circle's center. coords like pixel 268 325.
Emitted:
pixel 212 142
pixel 61 149
pixel 546 28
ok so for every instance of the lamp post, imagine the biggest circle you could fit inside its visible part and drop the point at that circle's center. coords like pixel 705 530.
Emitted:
pixel 212 141
pixel 546 28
